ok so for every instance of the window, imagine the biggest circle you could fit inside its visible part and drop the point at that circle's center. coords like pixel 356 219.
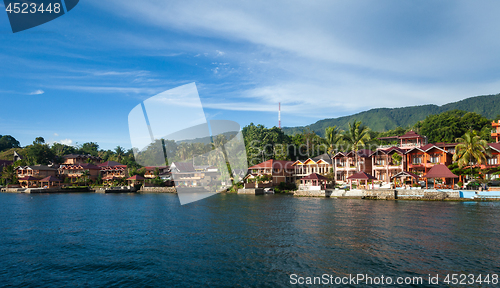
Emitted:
pixel 435 158
pixel 417 159
pixel 492 161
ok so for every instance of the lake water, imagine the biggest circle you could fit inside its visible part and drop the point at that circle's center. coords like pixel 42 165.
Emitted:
pixel 128 240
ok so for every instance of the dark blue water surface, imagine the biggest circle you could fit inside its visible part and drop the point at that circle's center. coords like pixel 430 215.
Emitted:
pixel 128 240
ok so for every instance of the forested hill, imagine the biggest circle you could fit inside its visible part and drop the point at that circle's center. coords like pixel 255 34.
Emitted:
pixel 383 119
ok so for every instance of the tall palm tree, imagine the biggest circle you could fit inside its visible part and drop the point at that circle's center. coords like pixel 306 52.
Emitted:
pixel 9 174
pixel 357 136
pixel 119 153
pixel 471 147
pixel 333 136
pixel 85 174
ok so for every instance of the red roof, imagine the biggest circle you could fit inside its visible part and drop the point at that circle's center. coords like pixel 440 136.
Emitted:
pixel 136 177
pixel 28 178
pixel 314 176
pixel 495 146
pixel 361 176
pixel 89 166
pixel 275 164
pixel 440 171
pixel 405 173
pixel 410 134
pixel 111 164
pixel 50 179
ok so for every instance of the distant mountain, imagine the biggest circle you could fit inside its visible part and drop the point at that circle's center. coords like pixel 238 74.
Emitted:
pixel 383 119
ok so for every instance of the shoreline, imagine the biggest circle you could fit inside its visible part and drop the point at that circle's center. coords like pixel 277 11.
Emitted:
pixel 377 194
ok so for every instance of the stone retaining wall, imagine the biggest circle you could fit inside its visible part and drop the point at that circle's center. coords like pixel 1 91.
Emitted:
pixel 312 193
pixel 404 194
pixel 381 194
pixel 157 190
pixel 257 191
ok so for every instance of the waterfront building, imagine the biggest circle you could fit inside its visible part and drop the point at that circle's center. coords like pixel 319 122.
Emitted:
pixel 386 163
pixel 36 171
pixel 347 164
pixel 153 171
pixel 321 165
pixel 74 172
pixel 420 159
pixel 111 170
pixel 186 174
pixel 278 170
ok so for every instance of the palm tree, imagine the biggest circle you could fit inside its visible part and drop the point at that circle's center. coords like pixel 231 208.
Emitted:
pixel 471 147
pixel 120 152
pixel 333 136
pixel 85 174
pixel 9 174
pixel 357 136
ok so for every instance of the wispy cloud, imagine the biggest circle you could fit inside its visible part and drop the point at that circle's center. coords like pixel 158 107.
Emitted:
pixel 111 89
pixel 333 55
pixel 37 92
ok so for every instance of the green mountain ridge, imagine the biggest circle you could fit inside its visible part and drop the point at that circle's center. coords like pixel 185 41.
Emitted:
pixel 383 119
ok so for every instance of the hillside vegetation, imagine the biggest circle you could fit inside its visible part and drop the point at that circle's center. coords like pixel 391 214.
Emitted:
pixel 384 119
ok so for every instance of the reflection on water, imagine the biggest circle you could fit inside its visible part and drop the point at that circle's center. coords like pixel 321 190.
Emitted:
pixel 229 240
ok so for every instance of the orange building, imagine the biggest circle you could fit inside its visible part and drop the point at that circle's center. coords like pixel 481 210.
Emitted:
pixel 74 172
pixel 280 170
pixel 421 159
pixel 37 171
pixel 495 132
pixel 112 169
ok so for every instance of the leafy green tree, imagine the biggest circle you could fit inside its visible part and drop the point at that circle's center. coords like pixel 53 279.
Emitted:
pixel 448 126
pixel 85 175
pixel 9 174
pixel 471 150
pixel 39 154
pixel 357 136
pixel 8 142
pixel 39 140
pixel 91 148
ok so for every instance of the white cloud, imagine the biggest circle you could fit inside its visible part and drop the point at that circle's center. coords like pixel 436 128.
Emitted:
pixel 332 58
pixel 55 134
pixel 37 92
pixel 68 142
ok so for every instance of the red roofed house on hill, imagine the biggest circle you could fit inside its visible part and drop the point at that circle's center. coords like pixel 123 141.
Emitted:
pixel 407 141
pixel 74 159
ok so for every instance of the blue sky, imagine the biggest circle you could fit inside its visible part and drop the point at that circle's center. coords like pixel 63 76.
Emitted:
pixel 75 79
